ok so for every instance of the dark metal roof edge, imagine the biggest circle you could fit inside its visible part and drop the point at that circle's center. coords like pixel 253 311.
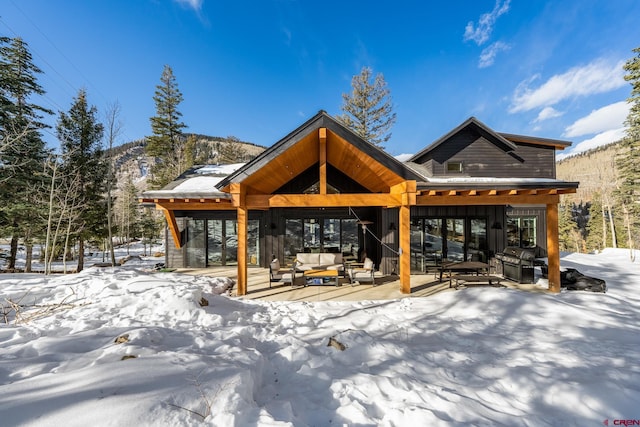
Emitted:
pixel 321 119
pixel 536 140
pixel 267 154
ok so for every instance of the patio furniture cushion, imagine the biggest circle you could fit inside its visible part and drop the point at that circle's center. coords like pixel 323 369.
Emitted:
pixel 364 273
pixel 288 275
pixel 319 261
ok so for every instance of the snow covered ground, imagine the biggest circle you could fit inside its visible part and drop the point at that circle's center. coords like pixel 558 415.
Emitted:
pixel 129 346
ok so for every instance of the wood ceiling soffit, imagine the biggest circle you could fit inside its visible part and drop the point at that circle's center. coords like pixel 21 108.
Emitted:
pixel 285 166
pixel 491 196
pixel 359 166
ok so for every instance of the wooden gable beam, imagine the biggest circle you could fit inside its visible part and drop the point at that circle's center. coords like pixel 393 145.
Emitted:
pixel 322 155
pixel 323 200
pixel 173 225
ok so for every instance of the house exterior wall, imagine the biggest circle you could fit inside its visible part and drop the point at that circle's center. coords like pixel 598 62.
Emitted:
pixel 540 213
pixel 482 158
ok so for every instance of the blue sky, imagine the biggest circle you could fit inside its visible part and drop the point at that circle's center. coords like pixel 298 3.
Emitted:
pixel 258 69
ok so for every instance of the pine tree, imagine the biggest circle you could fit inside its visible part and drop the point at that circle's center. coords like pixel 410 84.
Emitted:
pixel 628 159
pixel 596 225
pixel 167 144
pixel 80 136
pixel 22 149
pixel 368 110
pixel 569 235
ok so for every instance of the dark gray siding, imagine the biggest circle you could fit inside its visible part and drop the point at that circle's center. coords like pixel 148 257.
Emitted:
pixel 174 257
pixel 482 158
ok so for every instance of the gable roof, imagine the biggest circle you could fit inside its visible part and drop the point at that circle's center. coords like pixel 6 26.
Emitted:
pixel 363 162
pixel 475 124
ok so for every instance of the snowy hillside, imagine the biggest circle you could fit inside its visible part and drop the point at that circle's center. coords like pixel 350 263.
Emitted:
pixel 128 346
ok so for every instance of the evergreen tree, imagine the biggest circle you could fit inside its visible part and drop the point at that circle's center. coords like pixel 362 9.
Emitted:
pixel 231 151
pixel 368 110
pixel 80 136
pixel 22 149
pixel 130 210
pixel 569 236
pixel 167 144
pixel 628 159
pixel 596 239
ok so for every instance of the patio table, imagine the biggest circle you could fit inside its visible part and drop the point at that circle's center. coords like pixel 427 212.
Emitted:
pixel 476 267
pixel 321 274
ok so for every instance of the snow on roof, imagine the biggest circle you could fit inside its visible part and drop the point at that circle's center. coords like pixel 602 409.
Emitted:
pixel 199 183
pixel 219 169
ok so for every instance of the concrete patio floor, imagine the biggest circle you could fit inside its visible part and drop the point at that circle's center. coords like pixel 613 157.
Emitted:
pixel 386 288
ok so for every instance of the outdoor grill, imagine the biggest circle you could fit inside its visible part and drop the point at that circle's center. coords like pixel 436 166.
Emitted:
pixel 517 264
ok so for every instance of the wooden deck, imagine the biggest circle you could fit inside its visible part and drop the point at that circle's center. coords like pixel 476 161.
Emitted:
pixel 386 288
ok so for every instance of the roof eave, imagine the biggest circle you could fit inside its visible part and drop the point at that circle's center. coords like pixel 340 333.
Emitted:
pixel 556 143
pixel 170 195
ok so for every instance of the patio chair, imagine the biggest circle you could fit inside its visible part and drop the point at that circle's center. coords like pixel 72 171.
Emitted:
pixel 362 274
pixel 287 275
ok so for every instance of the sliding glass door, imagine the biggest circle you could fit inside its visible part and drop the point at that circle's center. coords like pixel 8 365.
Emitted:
pixel 222 242
pixel 455 239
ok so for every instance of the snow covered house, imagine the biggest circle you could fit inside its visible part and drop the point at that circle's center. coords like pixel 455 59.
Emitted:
pixel 323 189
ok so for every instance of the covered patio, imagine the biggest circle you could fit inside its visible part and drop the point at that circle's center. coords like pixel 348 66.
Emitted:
pixel 387 287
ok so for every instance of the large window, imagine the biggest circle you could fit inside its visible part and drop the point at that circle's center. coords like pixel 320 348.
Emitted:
pixel 521 232
pixel 454 239
pixel 320 235
pixel 292 238
pixel 222 242
pixel 477 239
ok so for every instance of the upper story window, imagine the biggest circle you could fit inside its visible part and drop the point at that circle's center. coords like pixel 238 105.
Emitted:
pixel 454 167
pixel 315 189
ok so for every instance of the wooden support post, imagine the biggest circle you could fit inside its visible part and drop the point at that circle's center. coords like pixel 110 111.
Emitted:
pixel 322 136
pixel 405 250
pixel 173 226
pixel 553 248
pixel 242 250
pixel 239 197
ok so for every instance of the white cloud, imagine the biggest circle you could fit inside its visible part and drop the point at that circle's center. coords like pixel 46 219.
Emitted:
pixel 193 4
pixel 547 113
pixel 480 33
pixel 598 76
pixel 488 55
pixel 599 140
pixel 403 157
pixel 287 35
pixel 606 118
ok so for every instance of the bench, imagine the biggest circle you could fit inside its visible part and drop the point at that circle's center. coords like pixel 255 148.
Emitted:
pixel 480 278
